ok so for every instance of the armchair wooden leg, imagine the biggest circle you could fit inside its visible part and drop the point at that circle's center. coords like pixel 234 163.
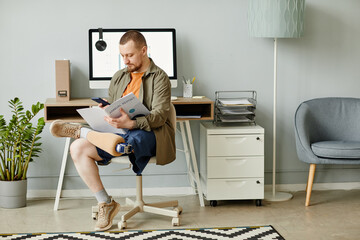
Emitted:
pixel 310 183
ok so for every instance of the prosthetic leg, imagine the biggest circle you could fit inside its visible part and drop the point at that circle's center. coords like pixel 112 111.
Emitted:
pixel 109 142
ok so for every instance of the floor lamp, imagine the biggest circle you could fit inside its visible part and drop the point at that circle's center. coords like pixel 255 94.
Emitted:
pixel 276 19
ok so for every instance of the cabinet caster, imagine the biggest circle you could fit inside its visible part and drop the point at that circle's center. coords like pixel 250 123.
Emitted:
pixel 178 209
pixel 122 225
pixel 213 203
pixel 258 202
pixel 176 221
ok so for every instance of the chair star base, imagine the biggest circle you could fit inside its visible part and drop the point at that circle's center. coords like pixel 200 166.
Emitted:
pixel 139 206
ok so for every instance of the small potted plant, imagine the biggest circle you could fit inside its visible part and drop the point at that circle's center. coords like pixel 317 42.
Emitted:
pixel 19 144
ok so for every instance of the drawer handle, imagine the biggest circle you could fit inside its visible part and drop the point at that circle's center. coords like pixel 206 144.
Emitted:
pixel 235 183
pixel 235 139
pixel 237 159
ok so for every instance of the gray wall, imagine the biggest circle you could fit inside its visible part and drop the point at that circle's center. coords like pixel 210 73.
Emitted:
pixel 212 44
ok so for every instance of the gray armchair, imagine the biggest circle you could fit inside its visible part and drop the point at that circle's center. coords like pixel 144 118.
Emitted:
pixel 327 131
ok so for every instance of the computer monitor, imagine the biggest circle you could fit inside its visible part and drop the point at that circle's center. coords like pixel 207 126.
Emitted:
pixel 104 63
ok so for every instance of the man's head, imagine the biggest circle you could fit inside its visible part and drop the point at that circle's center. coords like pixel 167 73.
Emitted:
pixel 133 49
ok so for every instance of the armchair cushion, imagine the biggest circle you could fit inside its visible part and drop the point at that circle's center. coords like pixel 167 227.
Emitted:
pixel 337 149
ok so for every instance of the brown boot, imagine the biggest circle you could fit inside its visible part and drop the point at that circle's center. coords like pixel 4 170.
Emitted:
pixel 107 212
pixel 59 128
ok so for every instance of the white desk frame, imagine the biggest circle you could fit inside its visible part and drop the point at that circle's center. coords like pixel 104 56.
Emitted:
pixel 191 163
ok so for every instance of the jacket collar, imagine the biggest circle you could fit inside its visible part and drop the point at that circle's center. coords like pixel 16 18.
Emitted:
pixel 151 68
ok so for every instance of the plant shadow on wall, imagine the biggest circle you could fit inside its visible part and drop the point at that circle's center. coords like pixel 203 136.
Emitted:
pixel 19 145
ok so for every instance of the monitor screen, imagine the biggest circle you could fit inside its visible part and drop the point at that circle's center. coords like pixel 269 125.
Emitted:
pixel 103 64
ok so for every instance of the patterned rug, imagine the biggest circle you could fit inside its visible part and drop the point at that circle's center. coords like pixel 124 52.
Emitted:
pixel 242 233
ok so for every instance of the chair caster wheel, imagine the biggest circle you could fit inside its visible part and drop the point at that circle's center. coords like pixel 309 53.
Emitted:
pixel 94 212
pixel 122 225
pixel 213 203
pixel 176 221
pixel 178 209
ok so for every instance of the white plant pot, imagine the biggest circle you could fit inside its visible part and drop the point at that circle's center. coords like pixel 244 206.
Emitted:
pixel 13 194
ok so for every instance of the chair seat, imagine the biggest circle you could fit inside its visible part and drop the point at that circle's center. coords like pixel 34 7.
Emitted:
pixel 125 160
pixel 337 149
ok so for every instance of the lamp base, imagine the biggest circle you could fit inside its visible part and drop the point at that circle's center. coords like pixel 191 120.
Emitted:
pixel 277 197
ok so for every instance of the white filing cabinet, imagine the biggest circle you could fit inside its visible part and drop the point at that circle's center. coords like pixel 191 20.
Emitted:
pixel 232 162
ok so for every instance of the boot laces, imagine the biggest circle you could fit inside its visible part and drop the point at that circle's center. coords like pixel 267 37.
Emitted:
pixel 70 130
pixel 101 213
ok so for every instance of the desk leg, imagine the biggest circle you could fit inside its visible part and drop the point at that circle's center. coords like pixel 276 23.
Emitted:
pixel 194 163
pixel 187 154
pixel 62 173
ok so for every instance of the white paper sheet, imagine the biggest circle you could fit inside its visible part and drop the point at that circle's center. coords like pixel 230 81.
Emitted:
pixel 95 118
pixel 236 101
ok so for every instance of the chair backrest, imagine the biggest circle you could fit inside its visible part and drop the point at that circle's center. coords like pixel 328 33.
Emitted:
pixel 172 115
pixel 331 118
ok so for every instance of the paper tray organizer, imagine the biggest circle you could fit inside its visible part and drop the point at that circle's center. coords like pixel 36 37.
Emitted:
pixel 235 107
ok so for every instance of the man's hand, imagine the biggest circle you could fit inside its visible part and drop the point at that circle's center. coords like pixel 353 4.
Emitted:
pixel 122 122
pixel 102 106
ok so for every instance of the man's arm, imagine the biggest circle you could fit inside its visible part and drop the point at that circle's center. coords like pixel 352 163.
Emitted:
pixel 160 105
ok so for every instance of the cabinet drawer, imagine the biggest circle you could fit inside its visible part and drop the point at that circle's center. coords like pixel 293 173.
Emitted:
pixel 237 188
pixel 232 167
pixel 235 145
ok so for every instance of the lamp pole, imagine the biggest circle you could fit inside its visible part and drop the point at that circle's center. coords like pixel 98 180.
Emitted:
pixel 274 119
pixel 274 196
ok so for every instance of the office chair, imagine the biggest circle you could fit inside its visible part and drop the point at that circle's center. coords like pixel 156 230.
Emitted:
pixel 139 205
pixel 327 131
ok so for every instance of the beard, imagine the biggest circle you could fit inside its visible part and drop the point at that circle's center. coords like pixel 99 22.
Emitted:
pixel 133 68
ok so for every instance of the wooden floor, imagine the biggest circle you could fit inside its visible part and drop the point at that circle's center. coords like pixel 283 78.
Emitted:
pixel 332 215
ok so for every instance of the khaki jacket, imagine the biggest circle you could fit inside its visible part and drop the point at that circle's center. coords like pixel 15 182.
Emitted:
pixel 155 94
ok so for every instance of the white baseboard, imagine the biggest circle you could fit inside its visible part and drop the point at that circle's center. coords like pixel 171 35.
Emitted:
pixel 125 192
pixel 316 186
pixel 173 191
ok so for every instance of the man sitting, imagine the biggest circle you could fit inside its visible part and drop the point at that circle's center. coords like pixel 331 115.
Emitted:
pixel 148 135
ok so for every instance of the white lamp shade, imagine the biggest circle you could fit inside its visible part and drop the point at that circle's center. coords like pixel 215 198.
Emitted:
pixel 276 18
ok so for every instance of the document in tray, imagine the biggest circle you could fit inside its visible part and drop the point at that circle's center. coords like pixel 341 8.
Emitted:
pixel 235 111
pixel 235 101
pixel 95 116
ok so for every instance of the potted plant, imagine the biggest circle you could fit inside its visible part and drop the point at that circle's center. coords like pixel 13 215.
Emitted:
pixel 19 144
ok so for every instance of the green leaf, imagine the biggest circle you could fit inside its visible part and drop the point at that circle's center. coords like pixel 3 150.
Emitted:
pixel 28 114
pixel 35 109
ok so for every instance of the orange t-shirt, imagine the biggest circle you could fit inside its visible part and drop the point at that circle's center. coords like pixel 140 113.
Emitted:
pixel 134 84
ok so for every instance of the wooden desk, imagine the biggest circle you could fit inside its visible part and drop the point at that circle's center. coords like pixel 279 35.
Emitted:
pixel 184 106
pixel 66 111
pixel 194 106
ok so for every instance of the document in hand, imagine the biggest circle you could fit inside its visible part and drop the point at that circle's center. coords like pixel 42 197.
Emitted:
pixel 95 116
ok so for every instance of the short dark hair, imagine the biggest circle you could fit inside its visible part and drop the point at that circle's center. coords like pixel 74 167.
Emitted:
pixel 134 35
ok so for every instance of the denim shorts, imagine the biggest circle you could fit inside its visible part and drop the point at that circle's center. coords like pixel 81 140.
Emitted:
pixel 144 145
